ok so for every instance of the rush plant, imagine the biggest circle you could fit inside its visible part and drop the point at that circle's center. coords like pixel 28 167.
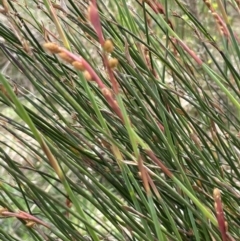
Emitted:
pixel 131 128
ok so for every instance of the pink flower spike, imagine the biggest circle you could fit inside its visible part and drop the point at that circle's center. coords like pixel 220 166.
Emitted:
pixel 190 52
pixel 95 21
pixel 86 66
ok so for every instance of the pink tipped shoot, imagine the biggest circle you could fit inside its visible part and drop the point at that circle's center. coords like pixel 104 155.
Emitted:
pixel 94 19
pixel 219 213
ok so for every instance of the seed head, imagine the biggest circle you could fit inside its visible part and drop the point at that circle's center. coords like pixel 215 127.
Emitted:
pixel 2 210
pixel 66 57
pixel 87 75
pixel 106 92
pixel 52 47
pixel 216 193
pixel 113 62
pixel 78 65
pixel 30 224
pixel 108 46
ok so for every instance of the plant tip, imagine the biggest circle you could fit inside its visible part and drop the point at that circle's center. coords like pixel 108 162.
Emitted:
pixel 216 193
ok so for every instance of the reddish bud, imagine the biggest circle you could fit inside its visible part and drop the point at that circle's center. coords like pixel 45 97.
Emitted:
pixel 94 19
